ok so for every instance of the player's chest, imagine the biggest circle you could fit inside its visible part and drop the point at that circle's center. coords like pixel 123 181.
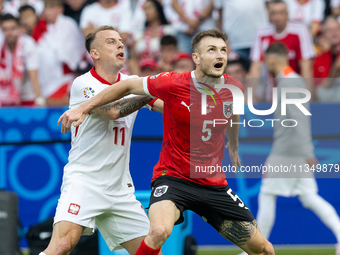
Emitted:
pixel 196 109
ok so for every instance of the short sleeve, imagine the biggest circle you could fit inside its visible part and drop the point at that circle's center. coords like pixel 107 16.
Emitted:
pixel 85 17
pixel 255 54
pixel 125 21
pixel 31 54
pixel 158 85
pixel 306 43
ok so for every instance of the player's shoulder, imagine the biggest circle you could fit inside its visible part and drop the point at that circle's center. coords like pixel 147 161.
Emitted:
pixel 232 81
pixel 126 77
pixel 83 80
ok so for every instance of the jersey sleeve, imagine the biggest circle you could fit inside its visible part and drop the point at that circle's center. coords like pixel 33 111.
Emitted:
pixel 158 85
pixel 255 53
pixel 306 44
pixel 318 10
pixel 85 17
pixel 31 55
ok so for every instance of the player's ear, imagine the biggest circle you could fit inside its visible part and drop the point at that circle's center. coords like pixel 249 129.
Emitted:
pixel 94 54
pixel 195 58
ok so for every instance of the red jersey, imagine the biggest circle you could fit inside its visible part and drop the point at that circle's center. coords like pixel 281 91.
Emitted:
pixel 191 141
pixel 296 38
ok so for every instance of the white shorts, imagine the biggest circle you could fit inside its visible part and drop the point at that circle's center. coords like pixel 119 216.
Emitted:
pixel 288 184
pixel 118 218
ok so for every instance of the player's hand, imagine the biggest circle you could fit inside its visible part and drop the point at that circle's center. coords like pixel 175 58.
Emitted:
pixel 233 154
pixel 75 116
pixel 312 162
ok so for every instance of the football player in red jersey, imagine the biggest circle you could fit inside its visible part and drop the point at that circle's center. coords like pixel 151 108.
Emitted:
pixel 192 103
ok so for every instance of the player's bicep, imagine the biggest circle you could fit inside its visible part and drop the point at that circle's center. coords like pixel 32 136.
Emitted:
pixel 134 86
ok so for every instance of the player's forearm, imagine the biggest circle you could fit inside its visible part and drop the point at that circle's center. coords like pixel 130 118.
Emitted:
pixel 113 93
pixel 158 106
pixel 127 106
pixel 33 75
pixel 232 132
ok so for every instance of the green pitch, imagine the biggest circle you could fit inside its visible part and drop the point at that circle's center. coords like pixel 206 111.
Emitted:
pixel 278 251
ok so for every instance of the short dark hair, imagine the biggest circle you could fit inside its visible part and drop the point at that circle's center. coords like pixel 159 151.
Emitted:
pixel 91 36
pixel 168 40
pixel 8 17
pixel 241 62
pixel 208 33
pixel 26 7
pixel 278 49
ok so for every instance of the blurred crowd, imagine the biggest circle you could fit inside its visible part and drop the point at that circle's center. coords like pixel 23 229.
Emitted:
pixel 42 42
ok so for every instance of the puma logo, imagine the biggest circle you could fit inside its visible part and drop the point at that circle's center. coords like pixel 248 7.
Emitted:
pixel 182 103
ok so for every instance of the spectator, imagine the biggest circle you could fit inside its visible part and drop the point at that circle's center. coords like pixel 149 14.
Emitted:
pixel 74 8
pixel 107 12
pixel 61 47
pixel 183 62
pixel 326 64
pixel 309 12
pixel 18 66
pixel 147 43
pixel 13 6
pixel 335 7
pixel 148 67
pixel 295 36
pixel 240 19
pixel 237 69
pixel 167 52
pixel 28 18
pixel 193 16
pixel 139 15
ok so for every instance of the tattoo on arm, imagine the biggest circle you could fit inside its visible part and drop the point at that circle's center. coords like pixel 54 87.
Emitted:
pixel 130 105
pixel 107 107
pixel 238 232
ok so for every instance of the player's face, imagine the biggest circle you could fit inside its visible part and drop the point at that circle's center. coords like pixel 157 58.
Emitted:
pixel 212 58
pixel 10 31
pixel 278 15
pixel 110 48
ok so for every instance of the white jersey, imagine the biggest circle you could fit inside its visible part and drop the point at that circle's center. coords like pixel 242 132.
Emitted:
pixel 307 13
pixel 100 150
pixel 13 6
pixel 118 16
pixel 192 8
pixel 240 19
pixel 63 43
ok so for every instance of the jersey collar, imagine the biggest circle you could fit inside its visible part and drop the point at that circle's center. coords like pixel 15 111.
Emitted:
pixel 102 80
pixel 198 87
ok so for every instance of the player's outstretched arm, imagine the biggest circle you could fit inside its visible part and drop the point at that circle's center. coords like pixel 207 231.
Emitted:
pixel 123 107
pixel 110 94
pixel 232 146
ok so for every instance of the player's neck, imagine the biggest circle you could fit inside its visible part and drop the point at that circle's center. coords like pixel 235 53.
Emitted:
pixel 279 30
pixel 108 74
pixel 206 79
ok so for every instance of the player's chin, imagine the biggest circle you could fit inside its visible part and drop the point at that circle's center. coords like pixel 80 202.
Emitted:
pixel 217 72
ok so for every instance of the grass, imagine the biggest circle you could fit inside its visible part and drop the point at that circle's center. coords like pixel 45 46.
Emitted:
pixel 278 251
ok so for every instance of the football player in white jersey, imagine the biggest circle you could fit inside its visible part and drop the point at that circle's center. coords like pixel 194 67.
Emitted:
pixel 97 188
